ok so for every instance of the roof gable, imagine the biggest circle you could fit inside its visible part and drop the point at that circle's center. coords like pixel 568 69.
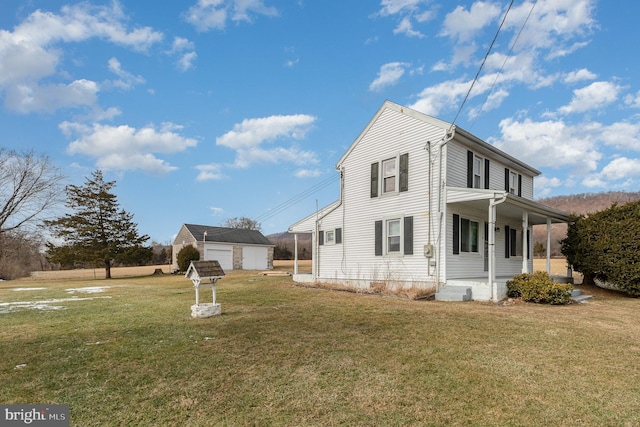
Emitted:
pixel 204 270
pixel 458 133
pixel 227 235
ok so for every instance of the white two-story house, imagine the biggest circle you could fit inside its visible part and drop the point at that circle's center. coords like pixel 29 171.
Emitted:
pixel 426 204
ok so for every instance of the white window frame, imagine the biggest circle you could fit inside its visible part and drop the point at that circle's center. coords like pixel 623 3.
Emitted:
pixel 513 182
pixel 478 163
pixel 469 236
pixel 330 237
pixel 515 250
pixel 388 236
pixel 395 176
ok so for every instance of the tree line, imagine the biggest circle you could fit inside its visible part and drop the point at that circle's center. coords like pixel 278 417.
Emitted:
pixel 95 231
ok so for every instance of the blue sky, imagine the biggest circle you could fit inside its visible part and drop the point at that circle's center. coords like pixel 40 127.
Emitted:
pixel 204 110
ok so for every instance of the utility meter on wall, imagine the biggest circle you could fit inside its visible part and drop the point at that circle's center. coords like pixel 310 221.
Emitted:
pixel 428 251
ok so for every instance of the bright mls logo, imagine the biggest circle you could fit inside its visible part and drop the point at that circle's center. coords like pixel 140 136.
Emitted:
pixel 35 415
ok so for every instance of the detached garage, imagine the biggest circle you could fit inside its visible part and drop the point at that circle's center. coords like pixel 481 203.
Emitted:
pixel 233 248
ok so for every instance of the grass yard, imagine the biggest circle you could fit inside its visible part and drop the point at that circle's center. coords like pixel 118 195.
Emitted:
pixel 125 352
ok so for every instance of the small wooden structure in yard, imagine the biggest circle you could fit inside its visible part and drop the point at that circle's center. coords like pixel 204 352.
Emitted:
pixel 204 273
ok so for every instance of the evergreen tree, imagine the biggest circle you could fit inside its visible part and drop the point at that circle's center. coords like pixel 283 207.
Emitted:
pixel 97 231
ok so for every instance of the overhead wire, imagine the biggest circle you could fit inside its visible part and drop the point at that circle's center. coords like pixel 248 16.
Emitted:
pixel 475 79
pixel 297 198
pixel 515 41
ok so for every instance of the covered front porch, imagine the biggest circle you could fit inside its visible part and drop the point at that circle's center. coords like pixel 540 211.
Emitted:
pixel 501 206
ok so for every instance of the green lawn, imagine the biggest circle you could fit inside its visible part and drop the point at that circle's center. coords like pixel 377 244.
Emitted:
pixel 286 355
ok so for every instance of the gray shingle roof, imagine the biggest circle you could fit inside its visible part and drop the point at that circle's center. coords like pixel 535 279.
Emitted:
pixel 228 235
pixel 204 269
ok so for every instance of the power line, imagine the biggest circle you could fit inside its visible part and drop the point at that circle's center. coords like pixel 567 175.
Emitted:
pixel 515 41
pixel 297 198
pixel 481 65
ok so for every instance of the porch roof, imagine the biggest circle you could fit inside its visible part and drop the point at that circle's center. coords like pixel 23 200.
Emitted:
pixel 308 224
pixel 512 207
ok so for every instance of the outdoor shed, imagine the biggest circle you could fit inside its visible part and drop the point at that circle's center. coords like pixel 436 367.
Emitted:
pixel 233 248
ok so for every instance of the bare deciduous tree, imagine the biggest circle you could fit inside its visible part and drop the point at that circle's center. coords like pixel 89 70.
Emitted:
pixel 242 222
pixel 30 185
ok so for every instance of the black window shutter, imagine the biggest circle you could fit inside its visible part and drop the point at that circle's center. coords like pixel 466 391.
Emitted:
pixel 469 169
pixel 528 245
pixel 486 174
pixel 456 234
pixel 374 179
pixel 408 235
pixel 404 172
pixel 519 185
pixel 338 235
pixel 321 237
pixel 506 179
pixel 378 238
pixel 507 240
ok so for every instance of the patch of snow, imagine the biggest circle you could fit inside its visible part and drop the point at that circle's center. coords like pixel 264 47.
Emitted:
pixel 21 366
pixel 27 289
pixel 8 307
pixel 89 289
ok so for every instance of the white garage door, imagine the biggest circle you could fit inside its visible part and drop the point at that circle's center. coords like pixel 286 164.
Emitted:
pixel 223 256
pixel 254 258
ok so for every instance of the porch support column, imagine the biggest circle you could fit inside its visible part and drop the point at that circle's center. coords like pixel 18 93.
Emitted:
pixel 549 246
pixel 492 246
pixel 525 245
pixel 295 253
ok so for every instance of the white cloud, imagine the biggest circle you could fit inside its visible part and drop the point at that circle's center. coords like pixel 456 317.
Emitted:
pixel 209 172
pixel 463 24
pixel 544 186
pixel 184 49
pixel 553 26
pixel 620 173
pixel 216 211
pixel 621 135
pixel 27 98
pixel 633 100
pixel 127 148
pixel 31 53
pixel 579 75
pixel 388 75
pixel 185 62
pixel 592 97
pixel 406 27
pixel 408 11
pixel 208 15
pixel 180 44
pixel 621 168
pixel 247 139
pixel 308 173
pixel 551 144
pixel 127 80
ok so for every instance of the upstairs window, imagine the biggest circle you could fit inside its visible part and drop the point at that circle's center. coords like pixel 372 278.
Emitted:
pixel 390 176
pixel 513 182
pixel 477 172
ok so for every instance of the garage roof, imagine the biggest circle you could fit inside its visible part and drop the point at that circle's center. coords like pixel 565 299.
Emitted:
pixel 227 235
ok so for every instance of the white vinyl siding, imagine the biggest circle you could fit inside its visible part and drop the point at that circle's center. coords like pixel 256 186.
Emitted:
pixel 355 258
